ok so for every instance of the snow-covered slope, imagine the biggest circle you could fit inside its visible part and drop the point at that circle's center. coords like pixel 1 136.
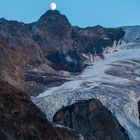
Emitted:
pixel 132 33
pixel 115 81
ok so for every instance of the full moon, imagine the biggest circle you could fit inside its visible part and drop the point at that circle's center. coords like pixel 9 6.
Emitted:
pixel 53 6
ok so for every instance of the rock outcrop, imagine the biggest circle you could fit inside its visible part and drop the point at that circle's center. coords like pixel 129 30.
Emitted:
pixel 20 119
pixel 92 119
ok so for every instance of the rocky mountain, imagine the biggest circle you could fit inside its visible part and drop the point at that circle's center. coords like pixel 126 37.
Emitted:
pixel 20 119
pixel 91 119
pixel 35 56
pixel 59 65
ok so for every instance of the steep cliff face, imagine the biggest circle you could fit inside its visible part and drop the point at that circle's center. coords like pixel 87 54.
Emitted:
pixel 91 119
pixel 20 119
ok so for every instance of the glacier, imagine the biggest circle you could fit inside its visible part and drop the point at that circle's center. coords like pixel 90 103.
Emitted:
pixel 115 81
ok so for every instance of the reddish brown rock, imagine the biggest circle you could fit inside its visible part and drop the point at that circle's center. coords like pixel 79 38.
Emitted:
pixel 20 119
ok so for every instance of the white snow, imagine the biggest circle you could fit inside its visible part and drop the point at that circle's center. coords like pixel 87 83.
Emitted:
pixel 68 86
pixel 95 71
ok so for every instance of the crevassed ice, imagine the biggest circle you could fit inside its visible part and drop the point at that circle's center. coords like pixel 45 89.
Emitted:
pixel 119 94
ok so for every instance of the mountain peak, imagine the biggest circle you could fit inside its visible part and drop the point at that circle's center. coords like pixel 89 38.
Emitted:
pixel 51 13
pixel 55 28
pixel 54 16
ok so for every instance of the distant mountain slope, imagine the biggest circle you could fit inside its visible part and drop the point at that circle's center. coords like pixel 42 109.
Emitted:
pixel 132 33
pixel 115 81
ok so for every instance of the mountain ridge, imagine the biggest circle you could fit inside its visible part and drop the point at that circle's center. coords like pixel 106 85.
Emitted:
pixel 42 50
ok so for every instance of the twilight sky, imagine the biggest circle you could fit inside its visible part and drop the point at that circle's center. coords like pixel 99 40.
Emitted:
pixel 108 13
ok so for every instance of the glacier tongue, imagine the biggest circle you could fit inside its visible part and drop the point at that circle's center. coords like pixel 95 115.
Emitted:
pixel 114 81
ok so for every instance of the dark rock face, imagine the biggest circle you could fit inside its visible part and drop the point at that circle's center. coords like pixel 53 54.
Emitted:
pixel 132 34
pixel 95 39
pixel 139 109
pixel 70 61
pixel 53 31
pixel 20 119
pixel 47 46
pixel 92 120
